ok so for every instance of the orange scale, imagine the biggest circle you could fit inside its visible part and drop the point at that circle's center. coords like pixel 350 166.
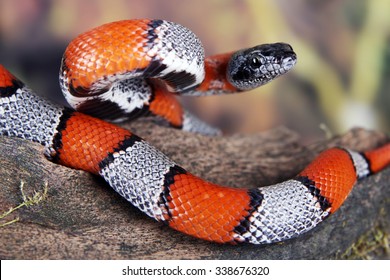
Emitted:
pixel 111 67
pixel 175 193
pixel 211 235
pixel 188 224
pixel 77 144
pixel 179 194
pixel 195 192
pixel 215 221
pixel 137 56
pixel 174 212
pixel 81 81
pixel 6 78
pixel 202 209
pixel 139 34
pixel 184 180
pixel 334 174
pixel 145 61
pixel 201 233
pixel 124 65
pixel 130 65
pixel 116 45
pixel 101 60
pixel 187 196
pixel 182 210
pixel 117 58
pixel 215 236
pixel 180 227
pixel 198 202
pixel 379 158
pixel 196 231
pixel 187 183
pixel 213 207
pixel 99 134
pixel 140 49
pixel 191 230
pixel 228 226
pixel 204 193
pixel 223 232
pixel 226 239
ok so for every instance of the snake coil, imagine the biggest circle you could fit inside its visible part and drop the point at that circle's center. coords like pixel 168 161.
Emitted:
pixel 132 68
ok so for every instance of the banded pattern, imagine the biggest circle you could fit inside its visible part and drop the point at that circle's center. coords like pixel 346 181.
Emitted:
pixel 127 69
pixel 132 67
pixel 108 66
pixel 37 119
pixel 167 192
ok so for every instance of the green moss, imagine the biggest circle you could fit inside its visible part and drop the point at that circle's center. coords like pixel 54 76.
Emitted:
pixel 373 245
pixel 27 201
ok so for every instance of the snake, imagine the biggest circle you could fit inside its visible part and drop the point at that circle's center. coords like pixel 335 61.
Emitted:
pixel 131 68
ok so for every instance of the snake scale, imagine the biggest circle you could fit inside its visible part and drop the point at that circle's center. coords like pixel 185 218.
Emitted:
pixel 131 68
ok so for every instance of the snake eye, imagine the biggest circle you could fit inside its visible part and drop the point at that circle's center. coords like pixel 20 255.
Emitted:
pixel 255 61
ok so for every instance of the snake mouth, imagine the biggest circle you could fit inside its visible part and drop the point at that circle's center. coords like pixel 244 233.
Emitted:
pixel 256 66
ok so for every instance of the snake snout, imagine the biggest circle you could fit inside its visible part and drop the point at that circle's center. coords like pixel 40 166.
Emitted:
pixel 253 67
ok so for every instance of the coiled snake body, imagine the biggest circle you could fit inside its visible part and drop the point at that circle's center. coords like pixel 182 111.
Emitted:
pixel 134 68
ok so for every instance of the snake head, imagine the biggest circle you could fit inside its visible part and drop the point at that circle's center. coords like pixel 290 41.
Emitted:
pixel 253 67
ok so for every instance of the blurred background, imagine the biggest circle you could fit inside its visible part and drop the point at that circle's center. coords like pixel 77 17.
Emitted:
pixel 343 47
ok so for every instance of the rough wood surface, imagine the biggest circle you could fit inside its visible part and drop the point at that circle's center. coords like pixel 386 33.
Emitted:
pixel 83 218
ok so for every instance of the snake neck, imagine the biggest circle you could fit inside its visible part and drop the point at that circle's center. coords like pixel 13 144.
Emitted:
pixel 215 81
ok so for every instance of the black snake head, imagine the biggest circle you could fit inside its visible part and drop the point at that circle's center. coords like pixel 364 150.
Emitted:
pixel 253 67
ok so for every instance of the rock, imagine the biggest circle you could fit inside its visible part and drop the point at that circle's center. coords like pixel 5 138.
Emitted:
pixel 81 217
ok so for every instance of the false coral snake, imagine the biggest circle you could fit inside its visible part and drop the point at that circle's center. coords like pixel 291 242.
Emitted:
pixel 131 68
